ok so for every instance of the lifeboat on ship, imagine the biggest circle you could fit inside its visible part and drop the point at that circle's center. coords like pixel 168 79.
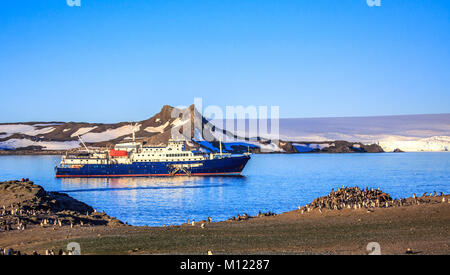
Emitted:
pixel 117 153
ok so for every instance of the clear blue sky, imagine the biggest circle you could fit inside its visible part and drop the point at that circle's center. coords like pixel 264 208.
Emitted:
pixel 115 60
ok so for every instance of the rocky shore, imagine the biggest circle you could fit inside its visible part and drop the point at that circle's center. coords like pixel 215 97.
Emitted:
pixel 25 204
pixel 34 221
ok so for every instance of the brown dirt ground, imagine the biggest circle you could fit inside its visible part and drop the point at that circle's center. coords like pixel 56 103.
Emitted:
pixel 424 228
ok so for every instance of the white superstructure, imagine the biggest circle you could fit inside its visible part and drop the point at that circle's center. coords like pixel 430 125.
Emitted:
pixel 127 153
pixel 173 152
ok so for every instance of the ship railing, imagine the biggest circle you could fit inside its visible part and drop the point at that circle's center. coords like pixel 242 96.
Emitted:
pixel 229 155
pixel 82 157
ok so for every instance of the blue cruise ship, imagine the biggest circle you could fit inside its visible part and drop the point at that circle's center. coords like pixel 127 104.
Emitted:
pixel 133 159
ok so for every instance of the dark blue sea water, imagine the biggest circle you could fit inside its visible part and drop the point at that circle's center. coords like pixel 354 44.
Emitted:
pixel 273 182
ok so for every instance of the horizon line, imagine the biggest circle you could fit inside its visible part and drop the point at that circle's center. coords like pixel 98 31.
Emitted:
pixel 324 117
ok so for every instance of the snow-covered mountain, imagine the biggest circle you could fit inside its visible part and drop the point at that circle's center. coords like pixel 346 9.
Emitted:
pixel 408 133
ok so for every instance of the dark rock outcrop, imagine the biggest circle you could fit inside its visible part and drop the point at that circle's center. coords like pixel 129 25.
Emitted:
pixel 341 146
pixel 24 204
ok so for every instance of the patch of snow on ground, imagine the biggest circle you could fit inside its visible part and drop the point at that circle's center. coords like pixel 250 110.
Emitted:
pixel 82 131
pixel 42 131
pixel 433 144
pixel 159 129
pixel 23 129
pixel 179 122
pixel 15 128
pixel 13 144
pixel 110 134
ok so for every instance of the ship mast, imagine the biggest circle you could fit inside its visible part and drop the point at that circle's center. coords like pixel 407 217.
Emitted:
pixel 83 143
pixel 133 129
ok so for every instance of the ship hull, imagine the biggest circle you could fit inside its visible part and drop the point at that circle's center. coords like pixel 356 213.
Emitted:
pixel 231 166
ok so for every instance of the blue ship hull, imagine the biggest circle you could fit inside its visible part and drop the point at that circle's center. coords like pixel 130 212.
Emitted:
pixel 228 166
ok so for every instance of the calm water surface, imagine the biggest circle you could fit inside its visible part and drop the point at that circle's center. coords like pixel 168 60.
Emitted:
pixel 274 183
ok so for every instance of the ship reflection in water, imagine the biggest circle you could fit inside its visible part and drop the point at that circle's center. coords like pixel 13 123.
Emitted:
pixel 129 183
